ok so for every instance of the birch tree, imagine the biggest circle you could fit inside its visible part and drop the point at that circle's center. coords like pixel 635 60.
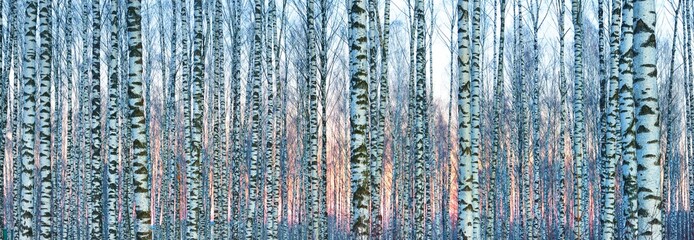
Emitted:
pixel 647 115
pixel 236 124
pixel 359 103
pixel 95 160
pixel 475 76
pixel 137 121
pixel 271 138
pixel 254 179
pixel 196 93
pixel 627 124
pixel 323 68
pixel 465 215
pixel 420 123
pixel 45 212
pixel 219 121
pixel 578 134
pixel 375 136
pixel 535 111
pixel 112 123
pixel 25 222
pixel 313 206
pixel 561 215
pixel 609 226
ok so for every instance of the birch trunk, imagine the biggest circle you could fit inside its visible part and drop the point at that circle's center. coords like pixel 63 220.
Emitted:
pixel 609 221
pixel 112 123
pixel 254 179
pixel 647 115
pixel 96 216
pixel 194 179
pixel 25 219
pixel 578 133
pixel 465 214
pixel 626 119
pixel 561 215
pixel 137 121
pixel 359 104
pixel 45 213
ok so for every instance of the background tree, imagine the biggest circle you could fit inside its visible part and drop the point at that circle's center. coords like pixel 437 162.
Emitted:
pixel 578 134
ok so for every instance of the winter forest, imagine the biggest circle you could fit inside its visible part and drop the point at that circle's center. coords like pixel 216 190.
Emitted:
pixel 353 119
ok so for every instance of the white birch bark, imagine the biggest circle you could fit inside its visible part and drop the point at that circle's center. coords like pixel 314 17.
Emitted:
pixel 626 119
pixel 579 126
pixel 359 103
pixel 647 115
pixel 96 216
pixel 25 219
pixel 45 213
pixel 112 123
pixel 137 121
pixel 465 212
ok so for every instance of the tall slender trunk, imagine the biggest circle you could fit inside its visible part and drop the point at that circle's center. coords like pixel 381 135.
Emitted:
pixel 254 179
pixel 194 167
pixel 84 127
pixel 611 112
pixel 421 118
pixel 137 121
pixel 626 119
pixel 374 120
pixel 313 207
pixel 270 137
pixel 465 214
pixel 45 213
pixel 96 216
pixel 323 68
pixel 384 95
pixel 112 123
pixel 236 125
pixel 125 226
pixel 220 170
pixel 281 123
pixel 647 121
pixel 408 230
pixel 561 215
pixel 56 121
pixel 476 80
pixel 537 218
pixel 523 119
pixel 578 131
pixel 359 104
pixel 29 73
pixel 17 40
pixel 186 102
pixel 602 111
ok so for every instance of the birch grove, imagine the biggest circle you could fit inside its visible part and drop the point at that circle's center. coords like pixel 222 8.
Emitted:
pixel 364 119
